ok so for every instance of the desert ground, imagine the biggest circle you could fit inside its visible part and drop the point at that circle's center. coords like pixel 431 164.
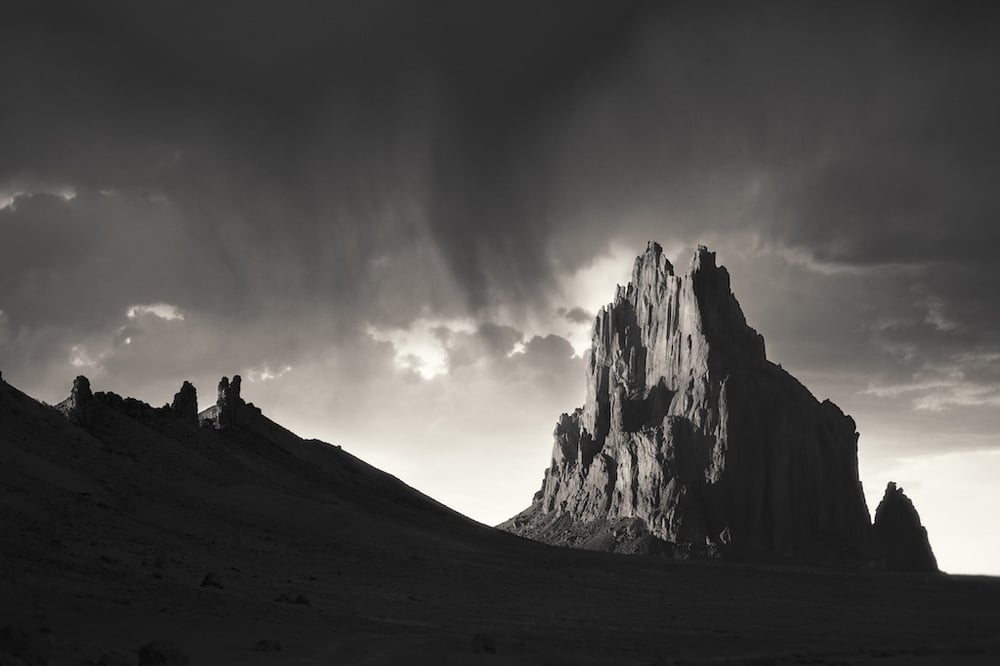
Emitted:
pixel 253 546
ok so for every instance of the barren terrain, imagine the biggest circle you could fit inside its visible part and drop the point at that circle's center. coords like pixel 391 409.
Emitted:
pixel 230 544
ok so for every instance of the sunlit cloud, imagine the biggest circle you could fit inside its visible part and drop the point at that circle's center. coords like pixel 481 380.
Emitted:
pixel 9 197
pixel 161 310
pixel 936 317
pixel 80 357
pixel 422 347
pixel 266 372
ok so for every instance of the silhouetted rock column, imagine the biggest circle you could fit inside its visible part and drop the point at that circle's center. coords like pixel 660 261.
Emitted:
pixel 228 403
pixel 79 406
pixel 185 403
pixel 900 539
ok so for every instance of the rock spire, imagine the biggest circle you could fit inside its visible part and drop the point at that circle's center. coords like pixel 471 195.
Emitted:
pixel 689 433
pixel 185 403
pixel 228 401
pixel 79 406
pixel 901 541
pixel 228 406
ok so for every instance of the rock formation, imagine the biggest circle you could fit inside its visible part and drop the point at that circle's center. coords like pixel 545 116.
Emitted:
pixel 185 403
pixel 226 410
pixel 901 541
pixel 690 431
pixel 228 401
pixel 79 406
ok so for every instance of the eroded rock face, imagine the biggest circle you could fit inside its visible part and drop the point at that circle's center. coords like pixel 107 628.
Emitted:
pixel 226 410
pixel 688 428
pixel 228 402
pixel 185 403
pixel 900 540
pixel 79 406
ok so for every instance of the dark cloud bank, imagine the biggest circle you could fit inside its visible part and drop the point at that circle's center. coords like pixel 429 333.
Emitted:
pixel 309 185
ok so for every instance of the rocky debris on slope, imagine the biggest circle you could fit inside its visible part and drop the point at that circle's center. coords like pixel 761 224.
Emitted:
pixel 268 645
pixel 79 406
pixel 901 541
pixel 688 428
pixel 185 403
pixel 211 580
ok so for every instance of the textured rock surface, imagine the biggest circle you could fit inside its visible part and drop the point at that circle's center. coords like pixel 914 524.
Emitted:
pixel 689 429
pixel 79 406
pixel 900 540
pixel 185 403
pixel 226 411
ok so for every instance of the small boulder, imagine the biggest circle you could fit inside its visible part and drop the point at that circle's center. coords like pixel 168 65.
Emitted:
pixel 211 580
pixel 268 645
pixel 484 643
pixel 161 654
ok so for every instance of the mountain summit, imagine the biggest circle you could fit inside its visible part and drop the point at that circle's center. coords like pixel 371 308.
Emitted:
pixel 691 441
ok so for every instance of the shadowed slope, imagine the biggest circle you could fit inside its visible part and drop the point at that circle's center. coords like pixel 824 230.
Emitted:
pixel 142 527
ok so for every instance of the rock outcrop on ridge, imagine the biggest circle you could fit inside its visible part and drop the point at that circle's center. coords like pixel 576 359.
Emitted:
pixel 690 439
pixel 185 403
pixel 901 541
pixel 225 412
pixel 79 406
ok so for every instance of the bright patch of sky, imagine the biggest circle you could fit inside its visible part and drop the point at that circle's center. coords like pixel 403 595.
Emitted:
pixel 9 196
pixel 422 347
pixel 161 310
pixel 266 372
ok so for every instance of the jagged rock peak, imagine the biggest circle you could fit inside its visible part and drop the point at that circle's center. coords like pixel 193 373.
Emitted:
pixel 688 428
pixel 185 403
pixel 900 539
pixel 79 406
pixel 228 402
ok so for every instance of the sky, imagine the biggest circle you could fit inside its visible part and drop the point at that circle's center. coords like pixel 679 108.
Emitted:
pixel 396 220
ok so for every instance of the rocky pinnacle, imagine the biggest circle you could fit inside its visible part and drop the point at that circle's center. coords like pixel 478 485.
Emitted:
pixel 900 540
pixel 228 403
pixel 185 403
pixel 691 434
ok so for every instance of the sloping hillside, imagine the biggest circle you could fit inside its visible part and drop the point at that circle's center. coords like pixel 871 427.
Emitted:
pixel 228 543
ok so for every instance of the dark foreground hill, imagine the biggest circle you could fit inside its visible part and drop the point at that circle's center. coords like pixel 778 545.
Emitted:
pixel 240 543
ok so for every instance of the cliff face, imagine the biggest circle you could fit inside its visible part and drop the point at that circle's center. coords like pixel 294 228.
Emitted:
pixel 690 433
